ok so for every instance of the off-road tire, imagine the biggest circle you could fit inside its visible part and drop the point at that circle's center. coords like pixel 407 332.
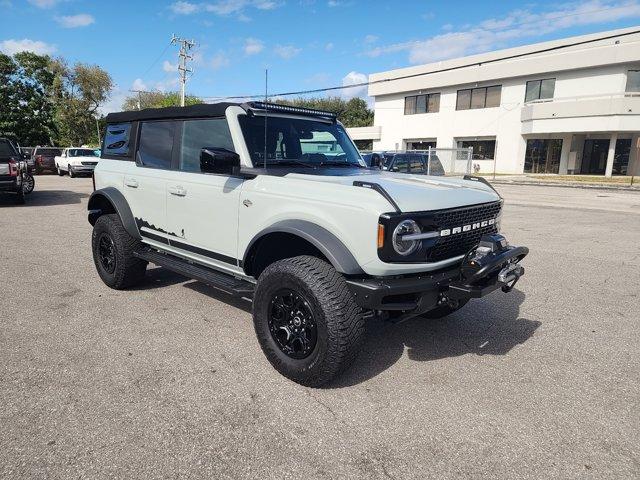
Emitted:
pixel 339 320
pixel 443 310
pixel 129 270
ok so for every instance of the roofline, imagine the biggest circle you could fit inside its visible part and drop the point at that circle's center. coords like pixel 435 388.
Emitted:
pixel 382 89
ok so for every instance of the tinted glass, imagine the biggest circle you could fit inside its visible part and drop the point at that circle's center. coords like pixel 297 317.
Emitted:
pixel 49 152
pixel 633 81
pixel 400 164
pixel 421 104
pixel 464 100
pixel 409 105
pixel 482 149
pixel 198 134
pixel 81 152
pixel 493 96
pixel 6 149
pixel 542 156
pixel 533 91
pixel 416 164
pixel 298 142
pixel 477 97
pixel 116 139
pixel 434 103
pixel 156 144
pixel 547 88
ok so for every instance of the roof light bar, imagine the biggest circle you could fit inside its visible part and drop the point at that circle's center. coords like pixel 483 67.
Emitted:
pixel 274 107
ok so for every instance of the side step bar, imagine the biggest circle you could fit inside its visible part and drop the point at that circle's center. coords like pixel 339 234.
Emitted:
pixel 221 281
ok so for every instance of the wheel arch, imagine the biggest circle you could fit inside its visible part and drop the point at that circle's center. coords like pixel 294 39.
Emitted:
pixel 293 238
pixel 111 200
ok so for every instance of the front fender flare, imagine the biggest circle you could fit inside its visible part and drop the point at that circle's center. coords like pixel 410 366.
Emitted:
pixel 114 197
pixel 331 246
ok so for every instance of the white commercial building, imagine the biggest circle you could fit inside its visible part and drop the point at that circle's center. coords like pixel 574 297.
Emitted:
pixel 565 106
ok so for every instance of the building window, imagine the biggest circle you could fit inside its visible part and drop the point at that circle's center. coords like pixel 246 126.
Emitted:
pixel 420 144
pixel 543 156
pixel 422 104
pixel 633 81
pixel 540 89
pixel 483 97
pixel 482 149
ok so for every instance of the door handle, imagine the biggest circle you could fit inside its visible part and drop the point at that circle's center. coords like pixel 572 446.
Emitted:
pixel 131 182
pixel 177 191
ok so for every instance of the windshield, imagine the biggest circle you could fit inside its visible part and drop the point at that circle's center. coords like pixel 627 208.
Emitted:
pixel 81 152
pixel 300 142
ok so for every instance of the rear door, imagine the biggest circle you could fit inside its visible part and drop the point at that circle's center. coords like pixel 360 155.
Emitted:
pixel 202 208
pixel 145 180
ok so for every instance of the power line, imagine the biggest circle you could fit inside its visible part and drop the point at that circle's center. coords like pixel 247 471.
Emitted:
pixel 442 70
pixel 156 60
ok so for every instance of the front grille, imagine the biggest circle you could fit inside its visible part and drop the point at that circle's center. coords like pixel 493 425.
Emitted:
pixel 460 243
pixel 89 163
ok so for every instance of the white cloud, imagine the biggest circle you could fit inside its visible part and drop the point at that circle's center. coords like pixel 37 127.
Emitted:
pixel 167 66
pixel 75 21
pixel 500 32
pixel 224 7
pixel 354 78
pixel 138 84
pixel 370 39
pixel 184 8
pixel 44 3
pixel 12 46
pixel 252 46
pixel 219 60
pixel 329 46
pixel 286 51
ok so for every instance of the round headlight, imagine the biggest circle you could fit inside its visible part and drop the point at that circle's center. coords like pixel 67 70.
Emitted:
pixel 405 247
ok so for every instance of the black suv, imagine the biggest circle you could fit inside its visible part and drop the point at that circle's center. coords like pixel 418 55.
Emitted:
pixel 12 170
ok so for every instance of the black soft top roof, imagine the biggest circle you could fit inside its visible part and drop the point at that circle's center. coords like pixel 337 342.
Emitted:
pixel 198 110
pixel 212 110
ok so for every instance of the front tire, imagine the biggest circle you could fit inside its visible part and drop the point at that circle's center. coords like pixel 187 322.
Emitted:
pixel 71 173
pixel 306 321
pixel 60 172
pixel 113 253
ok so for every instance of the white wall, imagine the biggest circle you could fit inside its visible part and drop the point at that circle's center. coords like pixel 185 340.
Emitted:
pixel 503 122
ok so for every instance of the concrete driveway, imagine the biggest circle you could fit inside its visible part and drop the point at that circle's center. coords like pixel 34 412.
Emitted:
pixel 168 381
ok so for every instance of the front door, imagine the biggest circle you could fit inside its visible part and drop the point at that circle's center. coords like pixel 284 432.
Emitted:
pixel 202 208
pixel 594 157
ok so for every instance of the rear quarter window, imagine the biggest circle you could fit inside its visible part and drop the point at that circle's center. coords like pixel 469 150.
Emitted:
pixel 116 140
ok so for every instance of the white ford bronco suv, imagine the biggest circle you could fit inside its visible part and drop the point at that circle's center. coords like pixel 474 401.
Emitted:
pixel 274 204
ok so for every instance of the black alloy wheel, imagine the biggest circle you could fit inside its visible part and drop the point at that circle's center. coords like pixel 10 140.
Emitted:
pixel 292 324
pixel 107 253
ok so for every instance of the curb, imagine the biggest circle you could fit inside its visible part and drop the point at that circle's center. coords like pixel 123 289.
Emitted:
pixel 627 188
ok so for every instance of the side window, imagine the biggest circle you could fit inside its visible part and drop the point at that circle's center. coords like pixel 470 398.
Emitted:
pixel 156 144
pixel 198 134
pixel 416 165
pixel 400 164
pixel 116 139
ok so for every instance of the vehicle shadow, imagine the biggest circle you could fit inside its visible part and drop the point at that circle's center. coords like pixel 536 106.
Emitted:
pixel 43 198
pixel 158 277
pixel 219 295
pixel 490 326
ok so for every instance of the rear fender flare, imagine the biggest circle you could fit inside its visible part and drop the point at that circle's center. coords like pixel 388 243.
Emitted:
pixel 119 204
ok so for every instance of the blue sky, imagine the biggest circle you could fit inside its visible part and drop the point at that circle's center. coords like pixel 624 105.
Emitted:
pixel 305 44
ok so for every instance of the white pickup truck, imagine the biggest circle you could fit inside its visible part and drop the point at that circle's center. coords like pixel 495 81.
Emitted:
pixel 76 161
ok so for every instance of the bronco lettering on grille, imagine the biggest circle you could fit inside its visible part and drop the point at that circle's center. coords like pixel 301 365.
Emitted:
pixel 467 228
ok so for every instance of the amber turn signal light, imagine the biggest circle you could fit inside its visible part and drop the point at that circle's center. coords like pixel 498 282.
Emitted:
pixel 380 235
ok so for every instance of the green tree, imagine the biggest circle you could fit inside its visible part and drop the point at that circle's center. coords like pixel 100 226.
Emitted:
pixel 77 93
pixel 157 99
pixel 26 109
pixel 352 113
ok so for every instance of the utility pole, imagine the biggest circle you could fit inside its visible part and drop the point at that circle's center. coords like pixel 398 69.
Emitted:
pixel 185 46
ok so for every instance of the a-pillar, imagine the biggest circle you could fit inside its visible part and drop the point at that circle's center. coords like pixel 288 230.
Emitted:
pixel 612 152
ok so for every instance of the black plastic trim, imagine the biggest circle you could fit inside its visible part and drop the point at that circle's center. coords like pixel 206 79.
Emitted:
pixel 120 205
pixel 204 252
pixel 475 178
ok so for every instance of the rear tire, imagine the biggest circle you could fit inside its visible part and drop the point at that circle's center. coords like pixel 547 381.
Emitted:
pixel 113 253
pixel 318 332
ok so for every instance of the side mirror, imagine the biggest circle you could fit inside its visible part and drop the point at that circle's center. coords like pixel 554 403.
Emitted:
pixel 218 160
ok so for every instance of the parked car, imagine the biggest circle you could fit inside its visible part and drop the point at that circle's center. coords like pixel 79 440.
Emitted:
pixel 412 162
pixel 12 170
pixel 45 159
pixel 239 196
pixel 76 161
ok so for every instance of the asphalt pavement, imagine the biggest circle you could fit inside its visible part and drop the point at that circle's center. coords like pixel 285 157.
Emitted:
pixel 167 380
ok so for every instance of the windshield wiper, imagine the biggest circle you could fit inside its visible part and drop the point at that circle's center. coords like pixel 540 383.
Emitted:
pixel 341 164
pixel 291 161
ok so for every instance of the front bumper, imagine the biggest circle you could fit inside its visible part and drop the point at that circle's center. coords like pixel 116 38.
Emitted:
pixel 82 168
pixel 418 294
